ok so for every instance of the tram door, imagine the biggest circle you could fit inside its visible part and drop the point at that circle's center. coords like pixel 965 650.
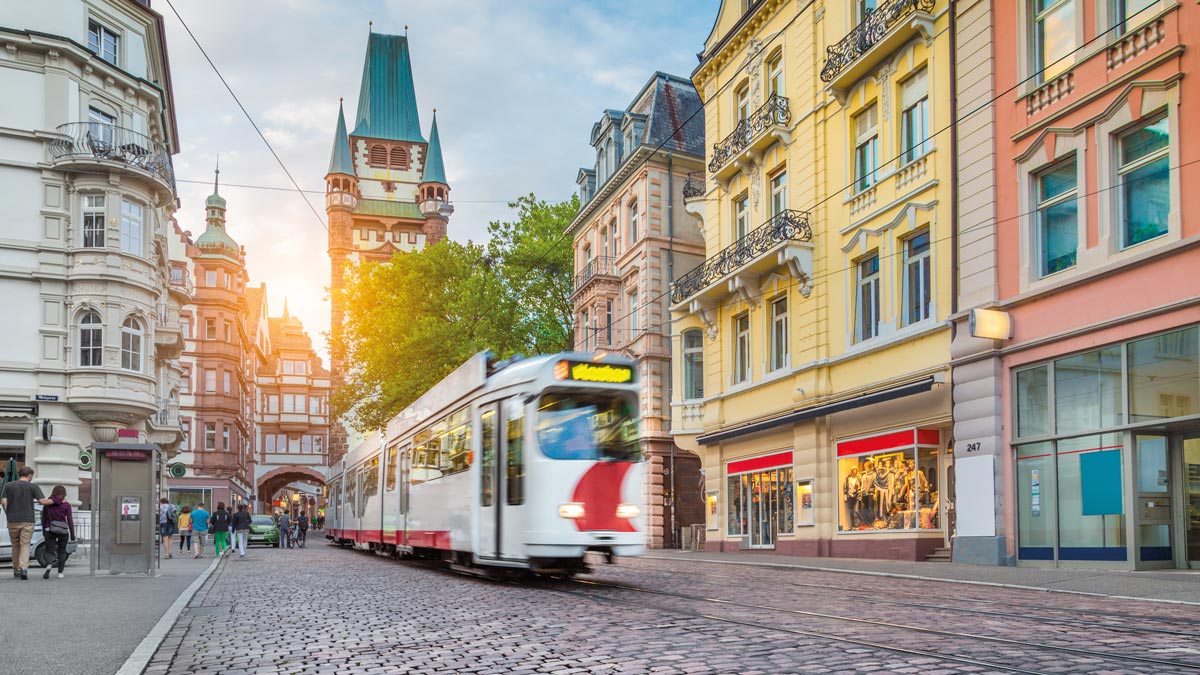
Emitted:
pixel 488 524
pixel 511 468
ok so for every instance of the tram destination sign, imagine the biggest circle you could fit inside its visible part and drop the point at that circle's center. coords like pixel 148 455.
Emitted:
pixel 583 371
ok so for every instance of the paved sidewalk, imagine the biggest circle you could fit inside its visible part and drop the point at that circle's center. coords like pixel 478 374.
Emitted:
pixel 94 623
pixel 1164 585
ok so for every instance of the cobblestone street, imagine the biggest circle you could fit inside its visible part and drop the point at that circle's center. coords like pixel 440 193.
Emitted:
pixel 330 610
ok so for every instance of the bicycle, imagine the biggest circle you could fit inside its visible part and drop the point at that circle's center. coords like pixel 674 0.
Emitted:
pixel 298 536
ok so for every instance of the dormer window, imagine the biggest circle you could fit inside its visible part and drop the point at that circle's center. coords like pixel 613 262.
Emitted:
pixel 103 41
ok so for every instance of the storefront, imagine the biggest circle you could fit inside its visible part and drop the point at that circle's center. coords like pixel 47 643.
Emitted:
pixel 760 500
pixel 1106 448
pixel 890 481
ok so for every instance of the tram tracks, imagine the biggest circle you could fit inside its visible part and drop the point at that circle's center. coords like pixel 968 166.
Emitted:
pixel 1082 657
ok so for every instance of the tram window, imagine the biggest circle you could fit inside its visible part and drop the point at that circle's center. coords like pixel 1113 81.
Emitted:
pixel 457 448
pixel 487 456
pixel 588 426
pixel 371 481
pixel 390 471
pixel 515 483
pixel 421 470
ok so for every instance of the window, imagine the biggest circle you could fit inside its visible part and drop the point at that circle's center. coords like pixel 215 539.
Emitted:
pixel 371 478
pixel 93 221
pixel 778 193
pixel 615 237
pixel 131 345
pixel 487 456
pixel 760 505
pixel 914 121
pixel 741 102
pixel 210 436
pixel 91 340
pixel 210 329
pixel 741 217
pixel 603 241
pixel 210 280
pixel 582 425
pixel 804 507
pixel 306 446
pixel 864 8
pixel 868 298
pixel 741 348
pixel 775 74
pixel 226 446
pixel 866 148
pixel 227 279
pixel 1128 13
pixel 103 41
pixel 779 333
pixel 319 445
pixel 894 489
pixel 1054 35
pixel 273 404
pixel 389 480
pixel 131 227
pixel 228 331
pixel 314 405
pixel 210 381
pixel 399 158
pixel 693 364
pixel 185 327
pixel 631 301
pixel 1164 376
pixel 1057 218
pixel 585 329
pixel 293 403
pixel 1144 173
pixel 1087 391
pixel 608 326
pixel 377 157
pixel 633 222
pixel 228 377
pixel 918 290
pixel 515 451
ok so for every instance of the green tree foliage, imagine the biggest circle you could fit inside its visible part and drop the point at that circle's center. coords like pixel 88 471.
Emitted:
pixel 411 321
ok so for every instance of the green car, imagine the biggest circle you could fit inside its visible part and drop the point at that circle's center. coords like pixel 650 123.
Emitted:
pixel 263 530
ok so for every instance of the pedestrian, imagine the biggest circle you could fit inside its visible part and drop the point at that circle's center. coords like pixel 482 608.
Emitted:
pixel 285 538
pixel 241 528
pixel 219 524
pixel 58 527
pixel 199 530
pixel 17 502
pixel 166 524
pixel 302 522
pixel 185 529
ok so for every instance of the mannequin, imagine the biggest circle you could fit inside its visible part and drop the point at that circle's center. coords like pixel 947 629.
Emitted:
pixel 853 493
pixel 867 480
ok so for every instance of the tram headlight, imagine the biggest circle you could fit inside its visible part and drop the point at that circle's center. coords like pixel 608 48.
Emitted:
pixel 628 511
pixel 572 510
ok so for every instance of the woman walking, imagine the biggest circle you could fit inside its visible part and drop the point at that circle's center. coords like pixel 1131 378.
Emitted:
pixel 185 530
pixel 241 528
pixel 219 524
pixel 166 525
pixel 58 526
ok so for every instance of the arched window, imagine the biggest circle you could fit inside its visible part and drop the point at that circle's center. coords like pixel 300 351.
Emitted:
pixel 131 345
pixel 399 158
pixel 91 339
pixel 693 364
pixel 633 222
pixel 378 157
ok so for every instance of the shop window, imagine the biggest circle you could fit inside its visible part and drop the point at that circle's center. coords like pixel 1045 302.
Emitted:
pixel 761 505
pixel 1033 402
pixel 1164 376
pixel 1090 526
pixel 1057 218
pixel 805 514
pixel 1087 391
pixel 893 489
pixel 1144 174
pixel 693 364
pixel 735 515
pixel 1037 501
pixel 1054 33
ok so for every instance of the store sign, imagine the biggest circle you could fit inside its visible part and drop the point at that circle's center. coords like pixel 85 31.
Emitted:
pixel 134 455
pixel 593 372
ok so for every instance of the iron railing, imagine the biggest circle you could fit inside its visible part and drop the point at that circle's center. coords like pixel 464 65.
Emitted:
pixel 107 141
pixel 601 266
pixel 168 413
pixel 694 185
pixel 789 225
pixel 867 34
pixel 774 111
pixel 180 279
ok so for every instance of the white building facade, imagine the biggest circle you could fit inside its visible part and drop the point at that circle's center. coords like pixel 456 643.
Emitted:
pixel 91 345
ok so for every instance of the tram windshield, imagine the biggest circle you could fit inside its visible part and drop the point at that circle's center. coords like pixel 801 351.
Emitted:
pixel 588 426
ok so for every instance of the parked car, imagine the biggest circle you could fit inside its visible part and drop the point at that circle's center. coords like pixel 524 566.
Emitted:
pixel 263 530
pixel 37 543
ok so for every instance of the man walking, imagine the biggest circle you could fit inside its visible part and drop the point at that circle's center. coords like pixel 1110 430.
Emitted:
pixel 285 525
pixel 241 529
pixel 17 502
pixel 199 530
pixel 219 524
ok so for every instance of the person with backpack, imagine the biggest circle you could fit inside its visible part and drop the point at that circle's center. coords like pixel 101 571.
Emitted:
pixel 199 530
pixel 241 529
pixel 302 524
pixel 185 529
pixel 166 525
pixel 58 527
pixel 219 524
pixel 285 532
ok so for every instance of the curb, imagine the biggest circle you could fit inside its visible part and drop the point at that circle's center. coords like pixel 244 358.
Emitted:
pixel 137 661
pixel 897 575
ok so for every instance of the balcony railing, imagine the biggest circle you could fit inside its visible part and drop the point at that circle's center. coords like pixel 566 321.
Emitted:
pixel 694 185
pixel 774 111
pixel 168 413
pixel 113 143
pixel 867 34
pixel 789 225
pixel 601 266
pixel 180 279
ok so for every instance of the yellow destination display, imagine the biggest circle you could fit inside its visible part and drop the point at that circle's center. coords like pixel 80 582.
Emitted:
pixel 593 372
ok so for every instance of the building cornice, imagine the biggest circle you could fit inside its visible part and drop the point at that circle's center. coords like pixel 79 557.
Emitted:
pixel 619 179
pixel 733 41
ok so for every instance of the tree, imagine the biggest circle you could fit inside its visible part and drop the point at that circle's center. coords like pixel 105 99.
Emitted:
pixel 409 322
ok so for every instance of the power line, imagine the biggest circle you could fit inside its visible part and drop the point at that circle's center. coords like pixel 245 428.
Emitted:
pixel 321 192
pixel 247 114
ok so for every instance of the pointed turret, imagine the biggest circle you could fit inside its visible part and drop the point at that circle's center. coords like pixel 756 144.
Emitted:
pixel 433 190
pixel 341 183
pixel 387 102
pixel 339 159
pixel 215 240
pixel 435 172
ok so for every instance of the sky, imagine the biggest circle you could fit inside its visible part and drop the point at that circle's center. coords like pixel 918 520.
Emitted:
pixel 517 85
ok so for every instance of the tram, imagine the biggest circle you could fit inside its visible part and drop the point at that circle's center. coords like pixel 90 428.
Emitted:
pixel 526 465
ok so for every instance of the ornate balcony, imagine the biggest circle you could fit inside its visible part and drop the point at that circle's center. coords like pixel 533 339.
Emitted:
pixel 603 266
pixel 749 134
pixel 885 29
pixel 180 281
pixel 694 185
pixel 787 226
pixel 92 143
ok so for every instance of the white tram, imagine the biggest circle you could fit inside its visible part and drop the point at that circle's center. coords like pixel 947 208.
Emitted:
pixel 524 465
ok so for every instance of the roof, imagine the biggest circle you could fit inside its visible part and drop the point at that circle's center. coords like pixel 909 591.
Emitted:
pixel 387 102
pixel 435 171
pixel 379 207
pixel 339 159
pixel 676 114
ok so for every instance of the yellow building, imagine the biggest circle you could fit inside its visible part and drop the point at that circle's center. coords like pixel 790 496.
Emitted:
pixel 812 346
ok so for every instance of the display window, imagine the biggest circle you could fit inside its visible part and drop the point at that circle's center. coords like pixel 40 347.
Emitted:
pixel 760 499
pixel 889 481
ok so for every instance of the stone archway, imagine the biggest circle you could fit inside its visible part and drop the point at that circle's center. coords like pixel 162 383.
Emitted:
pixel 276 479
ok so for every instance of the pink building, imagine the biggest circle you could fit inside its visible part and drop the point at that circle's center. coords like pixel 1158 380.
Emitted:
pixel 1076 224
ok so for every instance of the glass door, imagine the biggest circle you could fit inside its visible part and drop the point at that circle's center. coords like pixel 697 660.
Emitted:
pixel 1191 499
pixel 1153 501
pixel 762 509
